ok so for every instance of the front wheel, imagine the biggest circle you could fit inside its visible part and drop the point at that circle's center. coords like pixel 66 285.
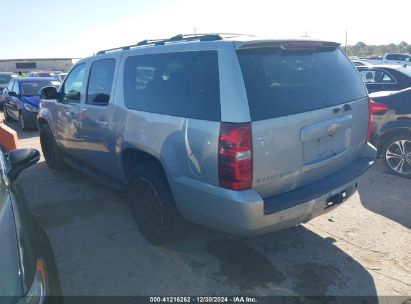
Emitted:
pixel 52 153
pixel 153 206
pixel 396 153
pixel 23 124
pixel 6 114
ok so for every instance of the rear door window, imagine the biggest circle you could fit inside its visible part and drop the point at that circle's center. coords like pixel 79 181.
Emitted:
pixel 284 82
pixel 182 84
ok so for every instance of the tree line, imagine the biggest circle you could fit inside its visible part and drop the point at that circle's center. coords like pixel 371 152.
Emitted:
pixel 361 49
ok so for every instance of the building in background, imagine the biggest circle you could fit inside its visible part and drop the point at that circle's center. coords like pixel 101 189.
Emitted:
pixel 36 64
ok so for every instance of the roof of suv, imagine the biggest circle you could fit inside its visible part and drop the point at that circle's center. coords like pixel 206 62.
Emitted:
pixel 240 39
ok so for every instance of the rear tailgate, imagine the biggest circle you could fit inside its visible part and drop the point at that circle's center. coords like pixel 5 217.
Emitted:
pixel 309 112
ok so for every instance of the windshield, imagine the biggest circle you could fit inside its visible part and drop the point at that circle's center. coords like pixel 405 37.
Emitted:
pixel 33 88
pixel 4 79
pixel 280 83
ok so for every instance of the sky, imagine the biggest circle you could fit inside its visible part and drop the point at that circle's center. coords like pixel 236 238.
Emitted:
pixel 79 28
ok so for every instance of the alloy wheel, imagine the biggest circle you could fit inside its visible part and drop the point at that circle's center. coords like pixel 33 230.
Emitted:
pixel 398 156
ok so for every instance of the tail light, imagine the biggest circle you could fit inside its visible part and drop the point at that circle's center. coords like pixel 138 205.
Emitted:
pixel 373 107
pixel 235 156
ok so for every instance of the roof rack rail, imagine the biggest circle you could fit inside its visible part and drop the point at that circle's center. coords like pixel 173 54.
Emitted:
pixel 177 38
pixel 127 47
pixel 181 38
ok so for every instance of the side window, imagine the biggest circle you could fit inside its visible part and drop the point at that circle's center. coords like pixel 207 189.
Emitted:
pixel 182 84
pixel 367 76
pixel 376 76
pixel 386 78
pixel 74 83
pixel 16 88
pixel 100 82
pixel 393 57
pixel 381 76
pixel 10 86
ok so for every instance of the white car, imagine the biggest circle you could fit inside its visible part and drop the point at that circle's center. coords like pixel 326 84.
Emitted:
pixel 59 76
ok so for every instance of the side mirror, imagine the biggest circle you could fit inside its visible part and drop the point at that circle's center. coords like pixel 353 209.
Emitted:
pixel 48 93
pixel 101 99
pixel 12 94
pixel 21 159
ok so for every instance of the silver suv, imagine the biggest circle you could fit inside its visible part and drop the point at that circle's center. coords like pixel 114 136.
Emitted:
pixel 236 133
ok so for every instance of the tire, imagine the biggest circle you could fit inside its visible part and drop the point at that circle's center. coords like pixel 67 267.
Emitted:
pixel 6 115
pixel 152 205
pixel 396 154
pixel 23 123
pixel 52 153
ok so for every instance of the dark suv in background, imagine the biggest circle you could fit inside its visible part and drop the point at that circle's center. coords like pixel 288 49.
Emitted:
pixel 236 133
pixel 391 129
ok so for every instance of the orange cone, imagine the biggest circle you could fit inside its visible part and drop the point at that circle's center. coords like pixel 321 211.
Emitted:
pixel 8 137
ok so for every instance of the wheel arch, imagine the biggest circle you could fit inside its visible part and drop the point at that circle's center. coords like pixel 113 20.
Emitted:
pixel 42 121
pixel 391 133
pixel 132 156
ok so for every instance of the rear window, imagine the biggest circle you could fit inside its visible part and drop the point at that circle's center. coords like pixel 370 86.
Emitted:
pixel 182 84
pixel 284 82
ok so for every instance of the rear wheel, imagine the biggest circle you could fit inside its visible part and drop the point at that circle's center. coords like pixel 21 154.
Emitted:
pixel 153 206
pixel 396 153
pixel 52 153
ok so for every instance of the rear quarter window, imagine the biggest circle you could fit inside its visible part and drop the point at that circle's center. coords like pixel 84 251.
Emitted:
pixel 284 82
pixel 184 84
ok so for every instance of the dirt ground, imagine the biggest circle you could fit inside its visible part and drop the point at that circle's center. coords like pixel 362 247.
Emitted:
pixel 361 248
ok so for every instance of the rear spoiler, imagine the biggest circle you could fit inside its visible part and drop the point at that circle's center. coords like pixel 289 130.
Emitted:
pixel 289 44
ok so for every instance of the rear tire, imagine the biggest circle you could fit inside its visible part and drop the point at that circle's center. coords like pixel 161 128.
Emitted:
pixel 153 206
pixel 396 154
pixel 52 153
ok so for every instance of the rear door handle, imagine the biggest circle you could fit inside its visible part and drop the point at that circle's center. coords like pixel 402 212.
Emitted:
pixel 102 123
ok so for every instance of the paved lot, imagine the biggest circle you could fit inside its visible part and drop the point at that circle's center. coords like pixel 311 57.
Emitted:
pixel 361 248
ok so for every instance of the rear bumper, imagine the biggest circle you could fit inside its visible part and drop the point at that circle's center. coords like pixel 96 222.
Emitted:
pixel 246 213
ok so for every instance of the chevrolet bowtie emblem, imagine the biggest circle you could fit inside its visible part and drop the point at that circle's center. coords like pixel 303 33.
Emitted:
pixel 333 129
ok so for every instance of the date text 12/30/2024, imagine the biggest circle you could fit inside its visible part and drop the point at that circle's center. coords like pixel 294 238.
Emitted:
pixel 203 300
